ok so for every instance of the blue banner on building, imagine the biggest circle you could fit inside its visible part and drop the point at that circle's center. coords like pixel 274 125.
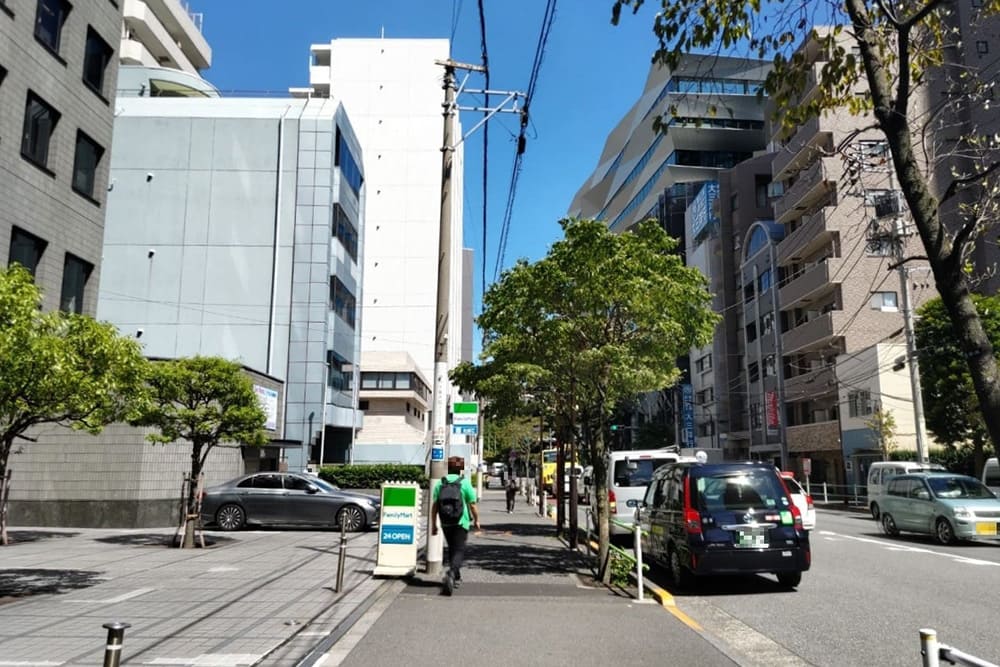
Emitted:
pixel 687 412
pixel 704 209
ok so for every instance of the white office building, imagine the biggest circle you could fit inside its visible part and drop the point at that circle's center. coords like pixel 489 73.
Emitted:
pixel 392 90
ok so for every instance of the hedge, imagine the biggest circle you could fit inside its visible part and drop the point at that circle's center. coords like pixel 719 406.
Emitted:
pixel 371 476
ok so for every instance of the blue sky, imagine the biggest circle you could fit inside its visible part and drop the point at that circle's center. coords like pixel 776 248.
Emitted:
pixel 591 75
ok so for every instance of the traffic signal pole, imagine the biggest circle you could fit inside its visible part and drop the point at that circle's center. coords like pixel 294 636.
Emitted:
pixel 439 418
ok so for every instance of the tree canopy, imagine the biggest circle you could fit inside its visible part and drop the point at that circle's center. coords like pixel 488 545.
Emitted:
pixel 951 408
pixel 601 318
pixel 903 69
pixel 204 401
pixel 58 368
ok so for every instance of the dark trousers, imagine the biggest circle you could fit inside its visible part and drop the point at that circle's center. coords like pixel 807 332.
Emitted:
pixel 455 537
pixel 511 496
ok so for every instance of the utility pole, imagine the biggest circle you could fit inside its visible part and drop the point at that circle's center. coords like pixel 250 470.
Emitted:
pixel 911 344
pixel 441 389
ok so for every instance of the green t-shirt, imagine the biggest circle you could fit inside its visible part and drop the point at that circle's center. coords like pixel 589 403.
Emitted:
pixel 468 495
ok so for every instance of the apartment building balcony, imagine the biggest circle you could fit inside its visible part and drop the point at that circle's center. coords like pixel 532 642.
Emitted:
pixel 806 286
pixel 810 385
pixel 817 332
pixel 168 33
pixel 813 185
pixel 813 233
pixel 818 437
pixel 808 143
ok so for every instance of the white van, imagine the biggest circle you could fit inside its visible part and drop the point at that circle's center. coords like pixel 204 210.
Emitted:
pixel 881 472
pixel 991 475
pixel 629 473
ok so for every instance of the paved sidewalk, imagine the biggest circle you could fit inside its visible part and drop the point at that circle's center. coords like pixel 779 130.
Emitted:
pixel 253 598
pixel 524 602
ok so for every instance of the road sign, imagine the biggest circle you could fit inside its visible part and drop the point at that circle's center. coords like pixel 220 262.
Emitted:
pixel 806 466
pixel 465 413
pixel 437 453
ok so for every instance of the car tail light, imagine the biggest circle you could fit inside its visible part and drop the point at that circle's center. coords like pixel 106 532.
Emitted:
pixel 612 503
pixel 809 501
pixel 796 516
pixel 692 520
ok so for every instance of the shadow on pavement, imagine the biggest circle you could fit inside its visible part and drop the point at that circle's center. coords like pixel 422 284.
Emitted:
pixel 159 540
pixel 22 583
pixel 745 584
pixel 516 558
pixel 22 536
pixel 491 529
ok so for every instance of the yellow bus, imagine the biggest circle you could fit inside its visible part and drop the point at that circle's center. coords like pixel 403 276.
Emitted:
pixel 549 458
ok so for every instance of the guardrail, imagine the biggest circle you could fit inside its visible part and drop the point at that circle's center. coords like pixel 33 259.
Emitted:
pixel 933 652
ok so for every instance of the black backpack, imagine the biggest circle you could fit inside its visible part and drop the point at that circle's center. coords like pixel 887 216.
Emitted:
pixel 451 504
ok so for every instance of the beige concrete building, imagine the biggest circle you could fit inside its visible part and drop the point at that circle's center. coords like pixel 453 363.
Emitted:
pixel 163 33
pixel 395 398
pixel 837 294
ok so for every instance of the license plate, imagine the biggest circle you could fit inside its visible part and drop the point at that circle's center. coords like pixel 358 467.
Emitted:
pixel 751 538
pixel 986 528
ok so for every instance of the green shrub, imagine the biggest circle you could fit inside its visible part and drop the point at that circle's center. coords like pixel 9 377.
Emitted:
pixel 620 568
pixel 371 476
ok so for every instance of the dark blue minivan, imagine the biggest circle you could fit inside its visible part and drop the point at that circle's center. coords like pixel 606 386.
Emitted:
pixel 703 519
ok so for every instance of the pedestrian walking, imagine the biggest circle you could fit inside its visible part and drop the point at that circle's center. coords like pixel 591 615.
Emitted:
pixel 454 505
pixel 511 493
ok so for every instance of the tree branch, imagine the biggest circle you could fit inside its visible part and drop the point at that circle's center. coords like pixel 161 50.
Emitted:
pixel 921 14
pixel 895 265
pixel 957 183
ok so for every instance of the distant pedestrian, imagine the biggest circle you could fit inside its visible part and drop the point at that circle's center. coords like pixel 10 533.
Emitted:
pixel 511 493
pixel 454 505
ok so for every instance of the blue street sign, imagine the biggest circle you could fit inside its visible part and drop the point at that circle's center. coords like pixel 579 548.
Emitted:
pixel 397 534
pixel 437 453
pixel 465 429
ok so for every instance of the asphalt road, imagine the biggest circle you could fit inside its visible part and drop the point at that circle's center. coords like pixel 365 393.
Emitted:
pixel 863 601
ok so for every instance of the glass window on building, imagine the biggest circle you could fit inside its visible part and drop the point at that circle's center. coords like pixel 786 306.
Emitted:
pixel 342 301
pixel 26 249
pixel 349 169
pixel 40 120
pixel 885 301
pixel 96 56
pixel 859 403
pixel 76 273
pixel 49 20
pixel 88 156
pixel 402 380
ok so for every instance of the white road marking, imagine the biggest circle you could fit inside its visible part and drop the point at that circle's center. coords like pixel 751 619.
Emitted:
pixel 28 663
pixel 905 548
pixel 210 660
pixel 120 598
pixel 223 568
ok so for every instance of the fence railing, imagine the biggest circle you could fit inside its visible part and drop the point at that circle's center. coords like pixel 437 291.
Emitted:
pixel 934 653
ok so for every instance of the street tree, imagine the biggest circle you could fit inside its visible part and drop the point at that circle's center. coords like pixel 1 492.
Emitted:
pixel 951 407
pixel 204 401
pixel 907 56
pixel 56 368
pixel 883 427
pixel 601 318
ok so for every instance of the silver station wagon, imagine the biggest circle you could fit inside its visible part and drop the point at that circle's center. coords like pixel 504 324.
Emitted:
pixel 948 506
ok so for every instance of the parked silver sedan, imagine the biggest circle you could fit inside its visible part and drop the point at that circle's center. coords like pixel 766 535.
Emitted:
pixel 286 499
pixel 948 506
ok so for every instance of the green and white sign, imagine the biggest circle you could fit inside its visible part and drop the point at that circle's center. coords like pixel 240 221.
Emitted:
pixel 465 418
pixel 398 529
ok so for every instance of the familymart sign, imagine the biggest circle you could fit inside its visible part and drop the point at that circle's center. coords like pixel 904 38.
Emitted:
pixel 465 418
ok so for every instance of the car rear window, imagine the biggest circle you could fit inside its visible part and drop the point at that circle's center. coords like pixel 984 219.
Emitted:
pixel 793 485
pixel 742 490
pixel 642 474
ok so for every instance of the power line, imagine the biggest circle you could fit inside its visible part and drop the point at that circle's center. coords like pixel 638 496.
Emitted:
pixel 543 38
pixel 486 134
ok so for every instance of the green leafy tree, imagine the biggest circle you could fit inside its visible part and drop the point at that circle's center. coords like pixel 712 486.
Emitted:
pixel 883 426
pixel 601 318
pixel 57 368
pixel 500 436
pixel 919 92
pixel 951 407
pixel 204 401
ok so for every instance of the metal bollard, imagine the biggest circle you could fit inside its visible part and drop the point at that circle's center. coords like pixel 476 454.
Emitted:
pixel 115 644
pixel 638 559
pixel 929 647
pixel 825 499
pixel 343 552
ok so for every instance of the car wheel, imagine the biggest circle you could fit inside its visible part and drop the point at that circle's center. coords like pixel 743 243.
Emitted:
pixel 230 517
pixel 789 579
pixel 875 511
pixel 943 531
pixel 682 577
pixel 889 525
pixel 351 517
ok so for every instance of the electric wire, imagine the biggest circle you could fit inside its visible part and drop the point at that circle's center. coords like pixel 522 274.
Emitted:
pixel 543 38
pixel 486 135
